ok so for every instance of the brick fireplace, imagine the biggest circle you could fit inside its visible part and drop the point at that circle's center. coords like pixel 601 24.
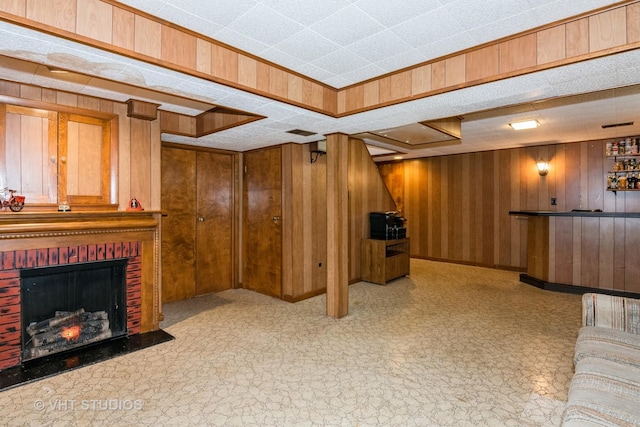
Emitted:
pixel 59 239
pixel 13 261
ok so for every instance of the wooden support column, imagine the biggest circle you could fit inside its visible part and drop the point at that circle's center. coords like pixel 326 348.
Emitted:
pixel 337 225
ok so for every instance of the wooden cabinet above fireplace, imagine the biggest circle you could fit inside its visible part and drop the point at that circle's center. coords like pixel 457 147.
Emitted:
pixel 55 156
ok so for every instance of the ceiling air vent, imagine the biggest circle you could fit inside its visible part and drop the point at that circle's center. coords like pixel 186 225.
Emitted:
pixel 301 132
pixel 617 125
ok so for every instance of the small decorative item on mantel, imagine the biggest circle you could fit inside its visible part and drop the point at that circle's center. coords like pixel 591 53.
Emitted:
pixel 11 201
pixel 64 207
pixel 134 205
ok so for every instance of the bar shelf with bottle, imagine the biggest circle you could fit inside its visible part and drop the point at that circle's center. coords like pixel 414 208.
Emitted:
pixel 625 172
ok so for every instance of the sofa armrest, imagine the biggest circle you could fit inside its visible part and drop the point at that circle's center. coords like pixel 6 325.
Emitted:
pixel 612 312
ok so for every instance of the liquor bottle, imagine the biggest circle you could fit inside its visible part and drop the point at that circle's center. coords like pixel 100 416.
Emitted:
pixel 622 182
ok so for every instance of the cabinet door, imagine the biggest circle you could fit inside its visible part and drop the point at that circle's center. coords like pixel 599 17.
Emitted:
pixel 84 159
pixel 28 145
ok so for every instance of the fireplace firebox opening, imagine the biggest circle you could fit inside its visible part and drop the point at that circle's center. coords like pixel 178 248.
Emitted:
pixel 69 306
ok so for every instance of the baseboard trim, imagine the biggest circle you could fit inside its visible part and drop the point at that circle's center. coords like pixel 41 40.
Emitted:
pixel 306 295
pixel 570 289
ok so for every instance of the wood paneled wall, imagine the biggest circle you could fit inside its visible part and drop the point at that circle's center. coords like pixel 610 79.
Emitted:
pixel 367 193
pixel 458 206
pixel 304 231
pixel 109 25
pixel 304 215
pixel 137 170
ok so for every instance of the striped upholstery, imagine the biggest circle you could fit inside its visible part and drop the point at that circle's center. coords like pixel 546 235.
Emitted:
pixel 612 312
pixel 605 389
pixel 603 343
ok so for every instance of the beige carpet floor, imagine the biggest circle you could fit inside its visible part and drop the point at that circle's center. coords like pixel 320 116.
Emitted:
pixel 450 345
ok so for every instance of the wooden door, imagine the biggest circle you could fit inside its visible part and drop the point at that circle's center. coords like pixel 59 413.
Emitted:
pixel 214 229
pixel 178 201
pixel 262 235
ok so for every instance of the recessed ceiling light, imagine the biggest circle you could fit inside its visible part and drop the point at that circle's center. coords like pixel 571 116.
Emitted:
pixel 398 158
pixel 528 124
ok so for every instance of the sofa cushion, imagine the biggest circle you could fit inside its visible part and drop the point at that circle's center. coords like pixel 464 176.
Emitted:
pixel 603 393
pixel 609 344
pixel 613 371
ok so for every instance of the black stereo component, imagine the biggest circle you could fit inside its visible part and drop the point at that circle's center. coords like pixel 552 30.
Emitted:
pixel 387 225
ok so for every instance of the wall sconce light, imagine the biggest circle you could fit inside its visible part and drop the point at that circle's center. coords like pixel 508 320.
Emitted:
pixel 543 167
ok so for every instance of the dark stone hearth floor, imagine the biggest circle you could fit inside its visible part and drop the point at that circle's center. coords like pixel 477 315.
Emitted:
pixel 55 364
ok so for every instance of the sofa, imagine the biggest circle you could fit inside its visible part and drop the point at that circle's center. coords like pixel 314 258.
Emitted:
pixel 605 388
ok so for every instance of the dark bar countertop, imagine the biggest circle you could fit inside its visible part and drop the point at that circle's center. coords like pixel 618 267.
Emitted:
pixel 579 212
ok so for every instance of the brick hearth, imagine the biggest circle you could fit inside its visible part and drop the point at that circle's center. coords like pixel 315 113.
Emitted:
pixel 12 261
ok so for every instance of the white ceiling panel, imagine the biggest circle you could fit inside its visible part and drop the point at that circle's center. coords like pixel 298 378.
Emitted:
pixel 300 11
pixel 347 26
pixel 307 45
pixel 219 12
pixel 251 25
pixel 439 24
pixel 379 46
pixel 472 14
pixel 342 61
pixel 392 16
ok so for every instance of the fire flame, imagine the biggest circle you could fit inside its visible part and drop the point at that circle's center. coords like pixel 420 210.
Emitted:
pixel 71 333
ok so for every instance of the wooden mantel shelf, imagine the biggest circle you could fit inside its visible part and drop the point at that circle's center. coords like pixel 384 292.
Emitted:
pixel 24 225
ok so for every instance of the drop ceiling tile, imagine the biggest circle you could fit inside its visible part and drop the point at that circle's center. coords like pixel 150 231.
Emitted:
pixel 263 24
pixel 306 12
pixel 390 16
pixel 221 13
pixel 454 43
pixel 502 28
pixel 338 81
pixel 554 10
pixel 278 111
pixel 482 13
pixel 241 41
pixel 379 46
pixel 307 45
pixel 244 102
pixel 315 72
pixel 191 20
pixel 347 26
pixel 364 73
pixel 341 61
pixel 428 28
pixel 19 45
pixel 203 90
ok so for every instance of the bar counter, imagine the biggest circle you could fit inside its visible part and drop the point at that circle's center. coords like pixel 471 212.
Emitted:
pixel 583 251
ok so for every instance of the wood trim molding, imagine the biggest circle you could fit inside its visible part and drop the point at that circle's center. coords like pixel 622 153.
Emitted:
pixel 217 62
